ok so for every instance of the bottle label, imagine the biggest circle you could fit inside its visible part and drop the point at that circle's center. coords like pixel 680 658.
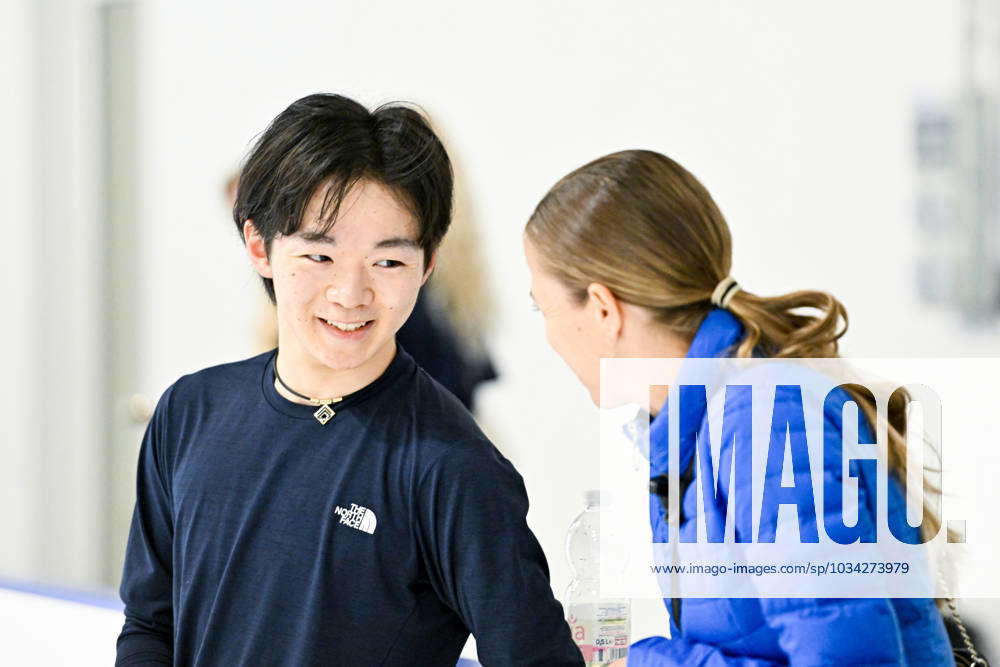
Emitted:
pixel 600 630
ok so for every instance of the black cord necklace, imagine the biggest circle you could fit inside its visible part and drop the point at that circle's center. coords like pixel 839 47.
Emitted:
pixel 325 412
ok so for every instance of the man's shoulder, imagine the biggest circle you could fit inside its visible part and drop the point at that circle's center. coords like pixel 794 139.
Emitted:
pixel 441 420
pixel 429 423
pixel 230 378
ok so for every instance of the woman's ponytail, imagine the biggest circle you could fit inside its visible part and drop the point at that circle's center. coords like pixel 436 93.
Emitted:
pixel 775 327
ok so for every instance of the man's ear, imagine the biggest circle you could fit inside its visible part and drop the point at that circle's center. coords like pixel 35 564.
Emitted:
pixel 430 267
pixel 606 309
pixel 256 250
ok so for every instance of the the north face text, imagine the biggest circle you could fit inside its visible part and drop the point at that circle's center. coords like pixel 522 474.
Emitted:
pixel 358 517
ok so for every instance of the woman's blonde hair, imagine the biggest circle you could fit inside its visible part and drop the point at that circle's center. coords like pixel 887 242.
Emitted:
pixel 646 228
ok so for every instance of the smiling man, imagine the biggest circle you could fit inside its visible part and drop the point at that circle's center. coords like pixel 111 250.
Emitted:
pixel 327 502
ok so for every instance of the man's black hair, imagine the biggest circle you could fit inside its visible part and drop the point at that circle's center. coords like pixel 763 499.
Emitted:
pixel 330 140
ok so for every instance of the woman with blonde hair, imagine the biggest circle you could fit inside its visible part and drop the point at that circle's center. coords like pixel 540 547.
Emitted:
pixel 630 257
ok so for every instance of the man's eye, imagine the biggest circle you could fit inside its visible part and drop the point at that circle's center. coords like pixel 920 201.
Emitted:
pixel 388 263
pixel 318 258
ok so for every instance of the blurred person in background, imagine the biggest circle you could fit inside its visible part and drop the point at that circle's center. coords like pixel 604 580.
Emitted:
pixel 446 334
pixel 630 257
pixel 327 502
pixel 459 362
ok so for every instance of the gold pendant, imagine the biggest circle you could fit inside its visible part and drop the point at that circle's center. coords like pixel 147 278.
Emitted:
pixel 325 412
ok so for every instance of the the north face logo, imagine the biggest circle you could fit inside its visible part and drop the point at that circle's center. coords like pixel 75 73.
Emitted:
pixel 358 517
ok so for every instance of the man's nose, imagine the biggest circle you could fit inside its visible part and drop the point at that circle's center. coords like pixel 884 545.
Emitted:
pixel 350 288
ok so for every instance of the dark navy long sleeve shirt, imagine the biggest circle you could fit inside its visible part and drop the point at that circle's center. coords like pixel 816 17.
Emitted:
pixel 384 537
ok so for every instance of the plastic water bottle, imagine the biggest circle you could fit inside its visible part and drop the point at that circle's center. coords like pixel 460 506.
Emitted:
pixel 600 627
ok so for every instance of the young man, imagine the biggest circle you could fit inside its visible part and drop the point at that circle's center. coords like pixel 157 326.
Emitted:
pixel 327 502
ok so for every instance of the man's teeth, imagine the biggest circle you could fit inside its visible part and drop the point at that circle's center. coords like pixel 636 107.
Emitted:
pixel 343 326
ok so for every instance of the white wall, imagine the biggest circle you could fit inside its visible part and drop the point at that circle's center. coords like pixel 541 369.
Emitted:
pixel 17 477
pixel 50 449
pixel 795 115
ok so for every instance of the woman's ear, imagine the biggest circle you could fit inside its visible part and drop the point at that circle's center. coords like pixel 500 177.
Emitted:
pixel 256 250
pixel 607 311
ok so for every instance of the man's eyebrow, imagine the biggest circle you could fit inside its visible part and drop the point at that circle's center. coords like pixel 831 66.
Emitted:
pixel 392 242
pixel 316 237
pixel 397 242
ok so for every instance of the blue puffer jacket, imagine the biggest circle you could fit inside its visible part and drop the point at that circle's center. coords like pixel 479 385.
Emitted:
pixel 782 631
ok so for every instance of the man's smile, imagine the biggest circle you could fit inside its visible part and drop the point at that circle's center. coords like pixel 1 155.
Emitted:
pixel 352 329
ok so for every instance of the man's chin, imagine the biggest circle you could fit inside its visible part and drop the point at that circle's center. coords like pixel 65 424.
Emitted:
pixel 344 362
pixel 341 363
